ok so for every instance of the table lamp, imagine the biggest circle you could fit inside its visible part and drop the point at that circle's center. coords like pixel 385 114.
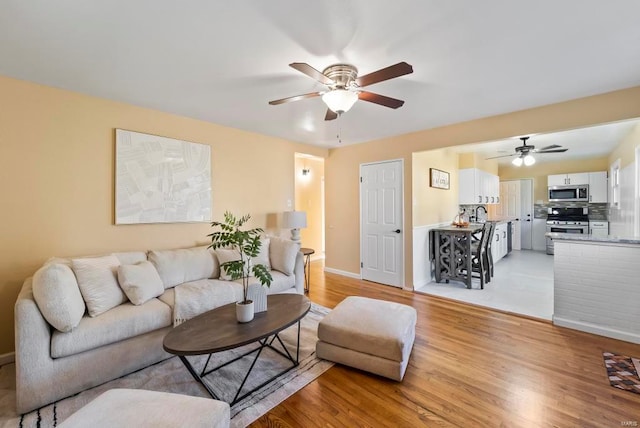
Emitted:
pixel 294 220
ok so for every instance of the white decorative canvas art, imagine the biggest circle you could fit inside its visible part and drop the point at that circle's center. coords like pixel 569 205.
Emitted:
pixel 161 180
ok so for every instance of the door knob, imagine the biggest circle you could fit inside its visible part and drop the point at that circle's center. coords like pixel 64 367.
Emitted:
pixel 528 219
pixel 397 231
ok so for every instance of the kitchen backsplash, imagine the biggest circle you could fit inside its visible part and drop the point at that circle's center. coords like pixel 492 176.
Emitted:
pixel 596 211
pixel 470 210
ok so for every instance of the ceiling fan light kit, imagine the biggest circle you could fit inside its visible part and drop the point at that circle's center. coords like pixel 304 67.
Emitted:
pixel 340 100
pixel 524 151
pixel 517 161
pixel 529 160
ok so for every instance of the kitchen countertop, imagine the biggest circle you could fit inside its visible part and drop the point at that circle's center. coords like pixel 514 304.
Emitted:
pixel 591 238
pixel 501 219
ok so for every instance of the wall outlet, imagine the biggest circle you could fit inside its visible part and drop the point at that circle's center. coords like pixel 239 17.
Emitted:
pixel 288 203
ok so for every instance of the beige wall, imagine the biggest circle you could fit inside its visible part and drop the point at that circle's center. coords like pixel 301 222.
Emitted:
pixel 475 160
pixel 432 205
pixel 309 199
pixel 539 172
pixel 342 165
pixel 625 151
pixel 57 180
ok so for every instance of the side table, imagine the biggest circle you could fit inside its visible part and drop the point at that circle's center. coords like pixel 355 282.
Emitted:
pixel 306 252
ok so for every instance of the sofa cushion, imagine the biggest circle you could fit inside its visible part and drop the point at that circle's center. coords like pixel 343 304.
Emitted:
pixel 58 297
pixel 120 323
pixel 280 282
pixel 263 256
pixel 98 284
pixel 229 291
pixel 131 257
pixel 183 265
pixel 140 282
pixel 282 253
pixel 224 256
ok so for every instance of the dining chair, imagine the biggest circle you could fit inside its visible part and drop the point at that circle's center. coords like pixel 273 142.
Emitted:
pixel 479 254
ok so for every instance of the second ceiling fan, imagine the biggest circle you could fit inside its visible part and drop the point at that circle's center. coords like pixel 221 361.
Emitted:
pixel 344 86
pixel 524 152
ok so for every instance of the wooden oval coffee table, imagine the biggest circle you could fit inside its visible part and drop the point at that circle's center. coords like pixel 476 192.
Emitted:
pixel 218 330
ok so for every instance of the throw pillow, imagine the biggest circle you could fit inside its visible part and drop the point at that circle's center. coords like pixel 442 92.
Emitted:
pixel 263 256
pixel 98 283
pixel 282 253
pixel 225 255
pixel 58 297
pixel 140 282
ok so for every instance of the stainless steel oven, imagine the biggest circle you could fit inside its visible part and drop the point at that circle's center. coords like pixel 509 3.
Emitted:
pixel 567 220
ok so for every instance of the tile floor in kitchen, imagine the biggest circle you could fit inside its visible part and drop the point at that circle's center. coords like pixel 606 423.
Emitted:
pixel 522 283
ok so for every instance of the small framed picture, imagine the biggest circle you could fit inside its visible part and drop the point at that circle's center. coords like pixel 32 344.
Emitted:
pixel 438 179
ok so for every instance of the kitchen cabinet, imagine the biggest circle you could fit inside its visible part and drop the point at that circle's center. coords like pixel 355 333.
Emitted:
pixel 598 228
pixel 478 187
pixel 568 179
pixel 598 187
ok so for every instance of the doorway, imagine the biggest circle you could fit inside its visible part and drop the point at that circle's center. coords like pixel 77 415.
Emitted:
pixel 309 197
pixel 382 223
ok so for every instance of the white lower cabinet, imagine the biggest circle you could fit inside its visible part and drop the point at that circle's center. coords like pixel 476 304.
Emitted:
pixel 598 228
pixel 499 246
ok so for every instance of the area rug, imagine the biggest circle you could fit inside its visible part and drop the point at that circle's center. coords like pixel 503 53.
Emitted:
pixel 171 376
pixel 623 371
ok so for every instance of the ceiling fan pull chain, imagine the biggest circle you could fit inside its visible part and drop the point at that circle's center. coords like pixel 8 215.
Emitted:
pixel 339 128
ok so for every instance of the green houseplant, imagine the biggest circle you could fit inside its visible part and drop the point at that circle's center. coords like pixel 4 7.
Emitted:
pixel 247 243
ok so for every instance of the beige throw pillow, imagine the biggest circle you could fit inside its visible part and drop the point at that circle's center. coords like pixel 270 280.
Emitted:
pixel 140 282
pixel 224 255
pixel 263 256
pixel 98 283
pixel 58 297
pixel 282 253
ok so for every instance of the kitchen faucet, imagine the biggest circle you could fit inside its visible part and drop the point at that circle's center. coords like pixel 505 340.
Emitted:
pixel 485 212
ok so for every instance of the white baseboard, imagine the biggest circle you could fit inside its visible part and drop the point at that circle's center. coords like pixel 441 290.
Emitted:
pixel 421 283
pixel 343 273
pixel 7 358
pixel 597 329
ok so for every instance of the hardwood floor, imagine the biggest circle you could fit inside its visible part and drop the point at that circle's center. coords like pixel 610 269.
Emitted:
pixel 469 367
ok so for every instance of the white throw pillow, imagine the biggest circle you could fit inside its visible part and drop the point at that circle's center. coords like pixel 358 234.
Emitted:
pixel 58 297
pixel 282 253
pixel 263 256
pixel 140 282
pixel 225 255
pixel 98 283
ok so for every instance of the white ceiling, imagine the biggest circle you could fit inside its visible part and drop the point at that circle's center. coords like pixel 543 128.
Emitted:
pixel 582 143
pixel 223 61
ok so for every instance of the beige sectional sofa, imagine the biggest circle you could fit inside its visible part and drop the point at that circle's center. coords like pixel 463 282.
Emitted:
pixel 72 332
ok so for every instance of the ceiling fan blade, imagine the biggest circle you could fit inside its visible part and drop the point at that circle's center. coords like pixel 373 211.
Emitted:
pixel 553 146
pixel 553 151
pixel 331 115
pixel 305 68
pixel 380 99
pixel 397 70
pixel 295 98
pixel 502 156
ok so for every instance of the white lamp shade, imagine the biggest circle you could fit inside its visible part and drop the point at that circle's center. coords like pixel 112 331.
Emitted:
pixel 340 100
pixel 294 219
pixel 517 161
pixel 529 160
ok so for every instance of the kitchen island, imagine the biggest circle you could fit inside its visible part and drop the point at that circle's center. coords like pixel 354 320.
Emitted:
pixel 597 284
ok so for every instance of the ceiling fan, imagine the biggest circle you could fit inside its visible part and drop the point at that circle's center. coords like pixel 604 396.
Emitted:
pixel 524 152
pixel 344 86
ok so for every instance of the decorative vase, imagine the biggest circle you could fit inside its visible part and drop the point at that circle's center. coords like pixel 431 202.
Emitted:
pixel 244 311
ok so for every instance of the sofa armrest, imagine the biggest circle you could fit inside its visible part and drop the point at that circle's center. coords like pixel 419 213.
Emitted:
pixel 298 272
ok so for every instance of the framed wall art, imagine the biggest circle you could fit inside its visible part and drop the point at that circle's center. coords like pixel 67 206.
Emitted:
pixel 438 179
pixel 161 180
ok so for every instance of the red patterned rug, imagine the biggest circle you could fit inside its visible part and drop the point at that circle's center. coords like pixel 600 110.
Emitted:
pixel 623 371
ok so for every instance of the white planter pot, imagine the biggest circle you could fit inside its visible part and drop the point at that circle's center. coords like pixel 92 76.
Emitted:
pixel 244 311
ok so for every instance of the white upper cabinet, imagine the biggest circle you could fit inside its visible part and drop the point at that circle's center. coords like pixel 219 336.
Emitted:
pixel 598 187
pixel 478 187
pixel 568 179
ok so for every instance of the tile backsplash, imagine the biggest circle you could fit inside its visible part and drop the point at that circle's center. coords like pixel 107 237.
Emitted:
pixel 596 211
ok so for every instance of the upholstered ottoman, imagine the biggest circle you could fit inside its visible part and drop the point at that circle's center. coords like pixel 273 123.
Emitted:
pixel 368 334
pixel 140 408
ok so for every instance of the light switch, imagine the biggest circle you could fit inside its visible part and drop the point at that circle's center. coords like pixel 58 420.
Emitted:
pixel 288 203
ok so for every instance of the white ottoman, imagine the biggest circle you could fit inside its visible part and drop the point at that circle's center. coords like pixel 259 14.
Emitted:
pixel 368 334
pixel 140 408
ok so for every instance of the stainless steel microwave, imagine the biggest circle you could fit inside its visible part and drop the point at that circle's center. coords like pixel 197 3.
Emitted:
pixel 575 193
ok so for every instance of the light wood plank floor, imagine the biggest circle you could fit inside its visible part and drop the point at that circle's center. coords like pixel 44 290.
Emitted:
pixel 469 367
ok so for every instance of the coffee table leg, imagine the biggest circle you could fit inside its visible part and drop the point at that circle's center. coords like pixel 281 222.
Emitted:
pixel 195 375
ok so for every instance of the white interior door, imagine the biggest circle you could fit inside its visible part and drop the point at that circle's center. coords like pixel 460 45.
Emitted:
pixel 526 218
pixel 381 242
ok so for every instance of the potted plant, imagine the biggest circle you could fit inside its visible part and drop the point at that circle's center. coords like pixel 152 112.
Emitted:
pixel 247 243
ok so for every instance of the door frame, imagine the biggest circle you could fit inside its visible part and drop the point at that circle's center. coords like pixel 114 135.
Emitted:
pixel 402 226
pixel 636 195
